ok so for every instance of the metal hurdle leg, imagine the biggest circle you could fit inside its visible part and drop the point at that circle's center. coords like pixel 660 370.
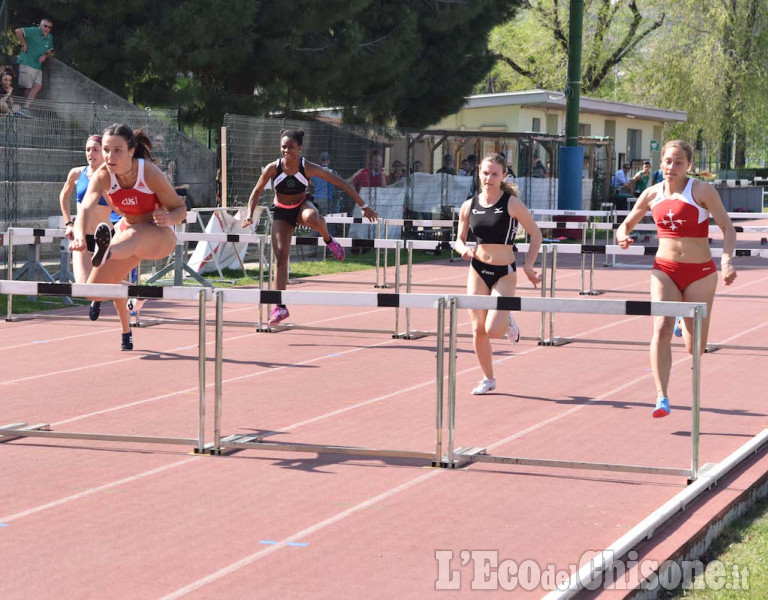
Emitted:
pixel 261 280
pixel 439 383
pixel 544 255
pixel 449 460
pixel 378 256
pixel 397 285
pixel 696 400
pixel 9 298
pixel 216 448
pixel 201 372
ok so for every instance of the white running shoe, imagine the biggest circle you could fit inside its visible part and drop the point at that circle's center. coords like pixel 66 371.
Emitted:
pixel 513 332
pixel 485 386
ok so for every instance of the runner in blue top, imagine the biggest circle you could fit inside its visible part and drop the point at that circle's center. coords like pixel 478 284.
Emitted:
pixel 77 180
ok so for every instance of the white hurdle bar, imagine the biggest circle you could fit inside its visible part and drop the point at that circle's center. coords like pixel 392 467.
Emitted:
pixel 468 454
pixel 362 299
pixel 116 291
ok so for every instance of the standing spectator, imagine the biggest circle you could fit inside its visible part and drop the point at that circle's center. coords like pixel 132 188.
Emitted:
pixel 372 176
pixel 539 170
pixel 36 48
pixel 397 172
pixel 658 177
pixel 464 168
pixel 6 90
pixel 472 172
pixel 324 191
pixel 447 167
pixel 642 179
pixel 417 166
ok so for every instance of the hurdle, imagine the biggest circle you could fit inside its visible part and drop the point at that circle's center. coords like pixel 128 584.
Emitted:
pixel 468 454
pixel 645 251
pixel 361 299
pixel 116 291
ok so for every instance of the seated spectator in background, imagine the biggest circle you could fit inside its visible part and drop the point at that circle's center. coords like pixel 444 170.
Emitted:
pixel 417 166
pixel 621 180
pixel 447 167
pixel 372 176
pixel 323 191
pixel 538 170
pixel 642 179
pixel 396 173
pixel 464 168
pixel 7 107
pixel 36 48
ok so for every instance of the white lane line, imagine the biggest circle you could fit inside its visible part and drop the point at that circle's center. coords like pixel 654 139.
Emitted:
pixel 96 490
pixel 60 339
pixel 298 536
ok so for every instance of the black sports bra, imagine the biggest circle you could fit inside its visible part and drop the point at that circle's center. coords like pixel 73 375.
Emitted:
pixel 290 185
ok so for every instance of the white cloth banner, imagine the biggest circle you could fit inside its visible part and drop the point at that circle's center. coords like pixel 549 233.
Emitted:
pixel 213 256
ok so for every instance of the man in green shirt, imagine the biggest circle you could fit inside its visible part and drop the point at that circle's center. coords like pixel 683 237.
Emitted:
pixel 36 47
pixel 642 180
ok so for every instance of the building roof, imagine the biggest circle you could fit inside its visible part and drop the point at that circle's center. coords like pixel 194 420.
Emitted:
pixel 556 100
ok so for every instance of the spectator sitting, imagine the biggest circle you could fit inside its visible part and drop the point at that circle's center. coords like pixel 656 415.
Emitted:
pixel 323 191
pixel 621 180
pixel 417 166
pixel 538 170
pixel 7 106
pixel 447 167
pixel 36 47
pixel 396 172
pixel 372 176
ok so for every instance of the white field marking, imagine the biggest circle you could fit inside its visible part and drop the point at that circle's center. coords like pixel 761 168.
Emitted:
pixel 101 488
pixel 300 535
pixel 60 339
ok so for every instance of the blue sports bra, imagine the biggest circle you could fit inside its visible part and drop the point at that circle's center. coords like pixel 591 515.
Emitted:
pixel 82 187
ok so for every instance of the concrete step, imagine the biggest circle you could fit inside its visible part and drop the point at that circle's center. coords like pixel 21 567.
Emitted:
pixel 48 130
pixel 35 200
pixel 39 164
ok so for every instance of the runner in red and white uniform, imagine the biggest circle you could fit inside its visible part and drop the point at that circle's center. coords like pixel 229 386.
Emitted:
pixel 149 206
pixel 683 269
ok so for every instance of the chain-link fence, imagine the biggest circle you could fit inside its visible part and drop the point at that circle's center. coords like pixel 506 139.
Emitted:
pixel 37 153
pixel 427 173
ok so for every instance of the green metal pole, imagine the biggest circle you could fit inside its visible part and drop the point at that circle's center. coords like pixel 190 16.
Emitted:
pixel 573 85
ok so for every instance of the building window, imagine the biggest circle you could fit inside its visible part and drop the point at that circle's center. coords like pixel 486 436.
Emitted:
pixel 585 129
pixel 536 126
pixel 634 144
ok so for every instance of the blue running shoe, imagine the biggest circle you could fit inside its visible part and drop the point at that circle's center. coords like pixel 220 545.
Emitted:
pixel 678 327
pixel 662 407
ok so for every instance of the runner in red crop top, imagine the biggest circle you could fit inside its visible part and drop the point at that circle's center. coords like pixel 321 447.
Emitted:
pixel 149 206
pixel 683 269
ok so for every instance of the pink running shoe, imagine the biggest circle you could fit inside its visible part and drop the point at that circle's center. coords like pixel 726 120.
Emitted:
pixel 336 249
pixel 279 313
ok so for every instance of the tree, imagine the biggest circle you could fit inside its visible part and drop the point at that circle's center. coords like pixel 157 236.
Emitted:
pixel 411 60
pixel 536 46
